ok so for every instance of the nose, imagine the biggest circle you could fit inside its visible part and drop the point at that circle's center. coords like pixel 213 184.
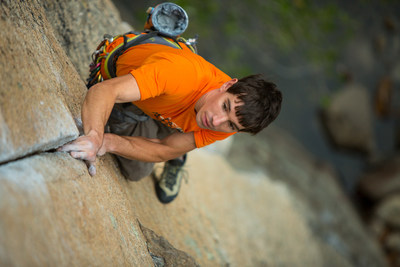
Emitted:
pixel 219 119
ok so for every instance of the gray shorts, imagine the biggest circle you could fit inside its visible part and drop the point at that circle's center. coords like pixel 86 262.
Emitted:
pixel 128 120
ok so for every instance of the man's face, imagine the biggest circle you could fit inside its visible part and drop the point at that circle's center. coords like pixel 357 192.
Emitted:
pixel 217 110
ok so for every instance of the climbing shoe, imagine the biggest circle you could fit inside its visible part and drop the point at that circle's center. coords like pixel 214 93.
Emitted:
pixel 167 187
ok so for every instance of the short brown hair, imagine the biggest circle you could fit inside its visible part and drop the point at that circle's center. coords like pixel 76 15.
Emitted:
pixel 261 102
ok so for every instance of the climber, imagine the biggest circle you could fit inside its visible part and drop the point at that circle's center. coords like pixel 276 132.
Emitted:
pixel 163 102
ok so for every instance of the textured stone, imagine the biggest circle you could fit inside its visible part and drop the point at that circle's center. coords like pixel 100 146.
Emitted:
pixel 54 214
pixel 313 184
pixel 33 113
pixel 79 27
pixel 224 217
pixel 348 119
pixel 163 253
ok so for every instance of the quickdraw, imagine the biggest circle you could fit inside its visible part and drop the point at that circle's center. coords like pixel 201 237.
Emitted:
pixel 97 56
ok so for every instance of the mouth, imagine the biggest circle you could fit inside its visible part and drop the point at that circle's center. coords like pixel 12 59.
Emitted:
pixel 205 121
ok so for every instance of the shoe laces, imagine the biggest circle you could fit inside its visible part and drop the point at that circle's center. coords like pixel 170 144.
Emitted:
pixel 173 174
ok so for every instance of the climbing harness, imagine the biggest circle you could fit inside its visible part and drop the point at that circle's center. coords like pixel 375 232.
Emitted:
pixel 163 26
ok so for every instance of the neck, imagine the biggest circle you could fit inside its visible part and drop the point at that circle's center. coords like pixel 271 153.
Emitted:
pixel 200 102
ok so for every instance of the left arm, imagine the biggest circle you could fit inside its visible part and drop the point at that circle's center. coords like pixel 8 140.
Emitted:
pixel 146 149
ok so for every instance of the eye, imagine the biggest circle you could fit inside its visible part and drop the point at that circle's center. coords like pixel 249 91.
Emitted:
pixel 224 106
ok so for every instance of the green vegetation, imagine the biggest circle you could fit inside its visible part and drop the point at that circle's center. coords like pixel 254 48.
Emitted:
pixel 299 30
pixel 238 36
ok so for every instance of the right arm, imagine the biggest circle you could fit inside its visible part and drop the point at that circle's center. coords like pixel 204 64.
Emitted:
pixel 96 110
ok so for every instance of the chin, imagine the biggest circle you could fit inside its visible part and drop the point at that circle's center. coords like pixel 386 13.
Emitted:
pixel 198 121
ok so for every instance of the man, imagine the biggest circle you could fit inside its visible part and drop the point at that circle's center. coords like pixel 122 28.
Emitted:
pixel 199 103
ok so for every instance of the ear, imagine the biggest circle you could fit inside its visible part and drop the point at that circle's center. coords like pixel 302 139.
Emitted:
pixel 228 84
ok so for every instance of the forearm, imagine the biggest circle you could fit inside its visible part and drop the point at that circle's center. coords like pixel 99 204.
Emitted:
pixel 140 148
pixel 100 100
pixel 96 109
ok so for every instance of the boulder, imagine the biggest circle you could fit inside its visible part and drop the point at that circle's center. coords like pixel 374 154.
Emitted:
pixel 392 245
pixel 381 180
pixel 36 75
pixel 389 211
pixel 385 222
pixel 348 119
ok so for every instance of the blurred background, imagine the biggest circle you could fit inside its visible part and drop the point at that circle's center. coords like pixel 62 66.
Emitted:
pixel 314 51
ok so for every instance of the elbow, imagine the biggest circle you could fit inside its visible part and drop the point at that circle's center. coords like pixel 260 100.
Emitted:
pixel 101 91
pixel 166 155
pixel 162 158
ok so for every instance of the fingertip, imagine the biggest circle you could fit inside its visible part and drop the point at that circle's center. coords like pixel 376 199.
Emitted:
pixel 92 170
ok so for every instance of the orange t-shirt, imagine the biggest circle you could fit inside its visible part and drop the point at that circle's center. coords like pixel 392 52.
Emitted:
pixel 171 81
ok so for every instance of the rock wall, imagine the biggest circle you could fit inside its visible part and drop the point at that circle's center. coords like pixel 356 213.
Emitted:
pixel 313 184
pixel 35 74
pixel 52 213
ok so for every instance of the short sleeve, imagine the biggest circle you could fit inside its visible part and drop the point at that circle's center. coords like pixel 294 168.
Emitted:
pixel 206 137
pixel 164 71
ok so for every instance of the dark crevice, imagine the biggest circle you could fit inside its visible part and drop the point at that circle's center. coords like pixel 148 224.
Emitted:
pixel 52 150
